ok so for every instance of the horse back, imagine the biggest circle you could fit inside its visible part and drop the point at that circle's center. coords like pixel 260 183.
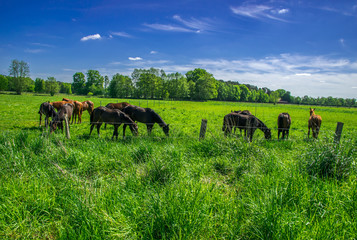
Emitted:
pixel 284 120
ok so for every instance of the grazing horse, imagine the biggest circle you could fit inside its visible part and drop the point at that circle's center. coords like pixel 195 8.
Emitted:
pixel 314 123
pixel 88 106
pixel 120 106
pixel 77 112
pixel 244 112
pixel 147 116
pixel 66 109
pixel 115 117
pixel 48 110
pixel 58 105
pixel 284 122
pixel 247 122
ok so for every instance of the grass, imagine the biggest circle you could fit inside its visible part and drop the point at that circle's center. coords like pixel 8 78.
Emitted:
pixel 177 187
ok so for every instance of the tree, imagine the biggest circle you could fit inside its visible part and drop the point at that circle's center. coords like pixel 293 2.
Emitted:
pixel 78 84
pixel 106 83
pixel 274 97
pixel 19 71
pixel 4 83
pixel 52 86
pixel 39 85
pixel 96 80
pixel 245 92
pixel 205 84
pixel 65 88
pixel 120 86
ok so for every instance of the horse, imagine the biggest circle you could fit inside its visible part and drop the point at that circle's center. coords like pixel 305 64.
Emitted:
pixel 58 105
pixel 57 121
pixel 120 106
pixel 115 117
pixel 48 110
pixel 147 116
pixel 244 112
pixel 77 112
pixel 314 124
pixel 284 122
pixel 247 122
pixel 88 106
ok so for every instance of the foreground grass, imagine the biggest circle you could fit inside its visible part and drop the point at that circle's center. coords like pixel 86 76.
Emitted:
pixel 177 187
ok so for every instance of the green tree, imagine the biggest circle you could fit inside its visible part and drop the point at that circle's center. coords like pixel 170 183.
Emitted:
pixel 245 92
pixel 19 70
pixel 4 83
pixel 52 86
pixel 78 85
pixel 120 86
pixel 205 84
pixel 96 80
pixel 274 97
pixel 65 88
pixel 106 83
pixel 39 85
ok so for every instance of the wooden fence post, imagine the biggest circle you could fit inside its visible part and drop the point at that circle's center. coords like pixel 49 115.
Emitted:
pixel 203 129
pixel 338 132
pixel 67 126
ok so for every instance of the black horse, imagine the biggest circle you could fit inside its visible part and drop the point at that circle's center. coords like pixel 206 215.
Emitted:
pixel 284 122
pixel 147 116
pixel 48 110
pixel 115 117
pixel 249 123
pixel 244 112
pixel 57 121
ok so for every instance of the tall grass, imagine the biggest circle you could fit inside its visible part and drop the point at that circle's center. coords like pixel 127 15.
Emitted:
pixel 177 187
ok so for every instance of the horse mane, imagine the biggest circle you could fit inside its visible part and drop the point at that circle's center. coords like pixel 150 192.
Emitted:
pixel 157 118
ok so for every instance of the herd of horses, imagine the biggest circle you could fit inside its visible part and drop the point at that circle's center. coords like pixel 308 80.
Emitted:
pixel 127 114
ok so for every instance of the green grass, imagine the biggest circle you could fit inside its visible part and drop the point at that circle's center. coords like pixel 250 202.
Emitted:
pixel 177 187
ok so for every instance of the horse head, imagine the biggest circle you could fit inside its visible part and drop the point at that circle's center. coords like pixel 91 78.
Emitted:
pixel 166 129
pixel 134 128
pixel 267 133
pixel 312 111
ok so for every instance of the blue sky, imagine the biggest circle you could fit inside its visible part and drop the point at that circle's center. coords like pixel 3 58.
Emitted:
pixel 305 47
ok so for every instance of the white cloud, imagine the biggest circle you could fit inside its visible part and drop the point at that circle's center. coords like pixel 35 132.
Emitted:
pixel 91 37
pixel 121 34
pixel 135 58
pixel 153 52
pixel 260 12
pixel 34 50
pixel 167 27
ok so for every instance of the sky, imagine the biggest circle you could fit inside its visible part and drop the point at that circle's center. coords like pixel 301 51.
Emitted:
pixel 307 47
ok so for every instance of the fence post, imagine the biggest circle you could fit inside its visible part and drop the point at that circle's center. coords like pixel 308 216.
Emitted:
pixel 67 126
pixel 203 129
pixel 338 132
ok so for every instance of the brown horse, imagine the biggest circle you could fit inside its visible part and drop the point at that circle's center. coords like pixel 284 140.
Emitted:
pixel 115 117
pixel 314 123
pixel 66 109
pixel 88 106
pixel 147 116
pixel 58 105
pixel 77 112
pixel 48 110
pixel 119 106
pixel 284 122
pixel 247 122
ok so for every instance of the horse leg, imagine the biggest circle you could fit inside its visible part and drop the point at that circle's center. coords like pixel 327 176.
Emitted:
pixel 46 121
pixel 279 133
pixel 40 119
pixel 149 128
pixel 91 128
pixel 308 133
pixel 98 128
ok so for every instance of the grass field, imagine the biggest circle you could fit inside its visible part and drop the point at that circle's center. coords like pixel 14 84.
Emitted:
pixel 176 187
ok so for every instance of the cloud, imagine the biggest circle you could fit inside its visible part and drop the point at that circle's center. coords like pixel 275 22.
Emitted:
pixel 43 45
pixel 135 58
pixel 153 52
pixel 34 50
pixel 195 24
pixel 167 27
pixel 121 34
pixel 91 37
pixel 260 12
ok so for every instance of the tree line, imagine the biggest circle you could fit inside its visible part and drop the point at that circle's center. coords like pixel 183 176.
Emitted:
pixel 154 83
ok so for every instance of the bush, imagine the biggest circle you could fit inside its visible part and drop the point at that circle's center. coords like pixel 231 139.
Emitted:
pixel 329 160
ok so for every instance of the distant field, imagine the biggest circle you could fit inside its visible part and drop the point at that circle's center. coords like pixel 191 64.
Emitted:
pixel 177 187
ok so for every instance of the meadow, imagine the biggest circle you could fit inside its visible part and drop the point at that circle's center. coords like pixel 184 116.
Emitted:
pixel 177 187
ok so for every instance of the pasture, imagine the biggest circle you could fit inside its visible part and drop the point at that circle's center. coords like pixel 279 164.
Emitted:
pixel 176 187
